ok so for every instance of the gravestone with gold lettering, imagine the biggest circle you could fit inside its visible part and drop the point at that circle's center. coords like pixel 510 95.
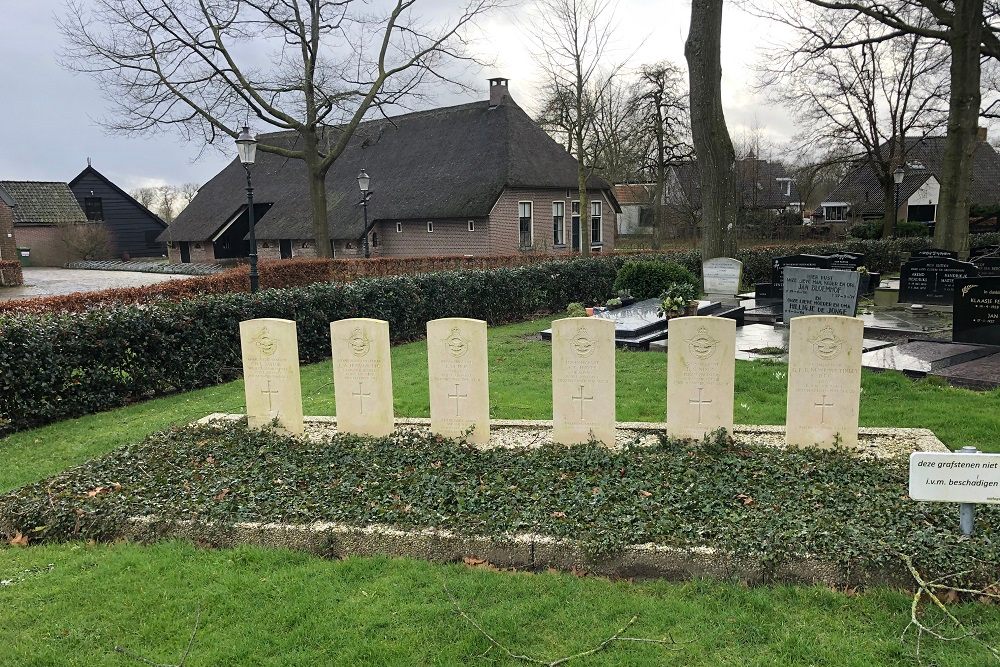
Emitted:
pixel 271 373
pixel 824 381
pixel 701 365
pixel 459 379
pixel 362 376
pixel 583 380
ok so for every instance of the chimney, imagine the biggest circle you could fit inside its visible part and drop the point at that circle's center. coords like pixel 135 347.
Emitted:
pixel 981 134
pixel 498 91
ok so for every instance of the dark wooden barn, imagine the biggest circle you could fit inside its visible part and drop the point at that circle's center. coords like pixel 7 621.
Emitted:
pixel 133 228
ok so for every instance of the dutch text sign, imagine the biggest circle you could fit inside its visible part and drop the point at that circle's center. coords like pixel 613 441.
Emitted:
pixel 955 478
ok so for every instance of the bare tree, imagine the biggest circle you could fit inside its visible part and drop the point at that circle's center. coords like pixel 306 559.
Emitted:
pixel 187 65
pixel 145 196
pixel 187 193
pixel 861 102
pixel 167 208
pixel 970 30
pixel 574 38
pixel 712 144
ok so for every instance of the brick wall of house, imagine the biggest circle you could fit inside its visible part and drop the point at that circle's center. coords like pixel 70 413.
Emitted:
pixel 8 243
pixel 504 221
pixel 45 242
pixel 449 237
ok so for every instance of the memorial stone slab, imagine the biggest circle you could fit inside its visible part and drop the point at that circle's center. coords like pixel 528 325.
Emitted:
pixel 976 313
pixel 988 266
pixel 919 357
pixel 270 353
pixel 362 376
pixel 722 275
pixel 701 365
pixel 846 261
pixel 934 253
pixel 820 292
pixel 984 251
pixel 932 280
pixel 459 378
pixel 824 381
pixel 778 265
pixel 583 380
pixel 982 373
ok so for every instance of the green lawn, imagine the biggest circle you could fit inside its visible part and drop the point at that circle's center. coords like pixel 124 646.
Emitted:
pixel 272 607
pixel 520 374
pixel 71 604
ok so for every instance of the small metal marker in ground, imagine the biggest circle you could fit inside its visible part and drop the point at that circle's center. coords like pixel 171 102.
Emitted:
pixel 968 477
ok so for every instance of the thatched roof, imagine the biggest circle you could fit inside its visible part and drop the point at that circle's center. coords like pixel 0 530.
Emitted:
pixel 43 203
pixel 452 162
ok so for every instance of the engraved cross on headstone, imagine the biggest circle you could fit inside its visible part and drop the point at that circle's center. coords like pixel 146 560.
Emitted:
pixel 823 405
pixel 583 399
pixel 699 402
pixel 269 392
pixel 457 396
pixel 361 395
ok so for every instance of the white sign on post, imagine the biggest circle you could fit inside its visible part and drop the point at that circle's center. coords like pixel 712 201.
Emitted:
pixel 955 478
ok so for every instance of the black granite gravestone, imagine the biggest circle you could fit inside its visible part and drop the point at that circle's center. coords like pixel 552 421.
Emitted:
pixel 988 266
pixel 983 251
pixel 976 314
pixel 820 292
pixel 932 280
pixel 846 261
pixel 933 253
pixel 778 265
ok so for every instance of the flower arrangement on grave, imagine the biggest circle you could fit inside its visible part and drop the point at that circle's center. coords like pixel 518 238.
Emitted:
pixel 614 303
pixel 677 299
pixel 863 270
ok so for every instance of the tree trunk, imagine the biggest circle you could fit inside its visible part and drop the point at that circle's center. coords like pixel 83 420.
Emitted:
pixel 712 144
pixel 952 229
pixel 317 196
pixel 889 203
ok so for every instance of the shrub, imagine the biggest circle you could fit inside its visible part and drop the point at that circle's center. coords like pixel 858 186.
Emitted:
pixel 906 229
pixel 10 273
pixel 645 279
pixel 866 230
pixel 576 309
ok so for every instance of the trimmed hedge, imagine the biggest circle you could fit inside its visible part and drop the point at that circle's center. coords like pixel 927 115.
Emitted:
pixel 10 273
pixel 57 366
pixel 647 278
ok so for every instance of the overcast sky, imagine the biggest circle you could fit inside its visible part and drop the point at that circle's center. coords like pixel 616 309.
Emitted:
pixel 48 116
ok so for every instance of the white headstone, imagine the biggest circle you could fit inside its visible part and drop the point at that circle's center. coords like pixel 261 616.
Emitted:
pixel 270 352
pixel 701 366
pixel 362 376
pixel 459 378
pixel 583 380
pixel 722 275
pixel 824 380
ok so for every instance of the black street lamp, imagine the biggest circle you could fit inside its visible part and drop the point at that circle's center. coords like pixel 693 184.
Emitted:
pixel 897 178
pixel 246 145
pixel 363 181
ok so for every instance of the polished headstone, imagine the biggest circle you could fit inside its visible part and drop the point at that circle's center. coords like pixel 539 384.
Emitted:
pixel 778 265
pixel 362 376
pixel 700 370
pixel 932 280
pixel 988 266
pixel 981 373
pixel 820 292
pixel 937 253
pixel 583 380
pixel 722 275
pixel 921 357
pixel 824 381
pixel 459 379
pixel 976 314
pixel 846 261
pixel 765 341
pixel 270 353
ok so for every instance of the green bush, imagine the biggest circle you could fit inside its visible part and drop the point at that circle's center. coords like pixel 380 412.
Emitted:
pixel 647 278
pixel 907 229
pixel 871 229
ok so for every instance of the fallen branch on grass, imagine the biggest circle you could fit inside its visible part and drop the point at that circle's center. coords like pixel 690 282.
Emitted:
pixel 616 637
pixel 184 656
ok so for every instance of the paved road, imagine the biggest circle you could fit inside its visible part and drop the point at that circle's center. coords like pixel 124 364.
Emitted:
pixel 45 281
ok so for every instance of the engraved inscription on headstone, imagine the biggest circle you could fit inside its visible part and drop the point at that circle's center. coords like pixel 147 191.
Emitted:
pixel 362 376
pixel 459 378
pixel 583 380
pixel 820 292
pixel 932 280
pixel 778 265
pixel 824 381
pixel 846 261
pixel 988 266
pixel 271 373
pixel 976 315
pixel 700 370
pixel 934 253
pixel 722 275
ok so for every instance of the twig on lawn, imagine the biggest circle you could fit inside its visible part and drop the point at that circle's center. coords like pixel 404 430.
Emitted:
pixel 928 589
pixel 617 636
pixel 184 656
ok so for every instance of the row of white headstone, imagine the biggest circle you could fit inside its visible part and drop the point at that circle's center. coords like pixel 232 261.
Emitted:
pixel 824 377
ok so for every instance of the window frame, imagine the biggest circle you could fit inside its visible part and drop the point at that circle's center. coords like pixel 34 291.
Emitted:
pixel 87 208
pixel 599 219
pixel 559 228
pixel 843 214
pixel 575 204
pixel 472 225
pixel 430 226
pixel 399 227
pixel 531 224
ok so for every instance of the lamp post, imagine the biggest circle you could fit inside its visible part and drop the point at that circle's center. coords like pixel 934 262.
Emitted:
pixel 363 181
pixel 246 145
pixel 897 178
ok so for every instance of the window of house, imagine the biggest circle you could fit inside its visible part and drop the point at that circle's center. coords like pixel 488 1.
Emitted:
pixel 575 232
pixel 374 239
pixel 559 223
pixel 785 186
pixel 524 223
pixel 836 213
pixel 399 228
pixel 430 226
pixel 94 208
pixel 595 222
pixel 472 225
